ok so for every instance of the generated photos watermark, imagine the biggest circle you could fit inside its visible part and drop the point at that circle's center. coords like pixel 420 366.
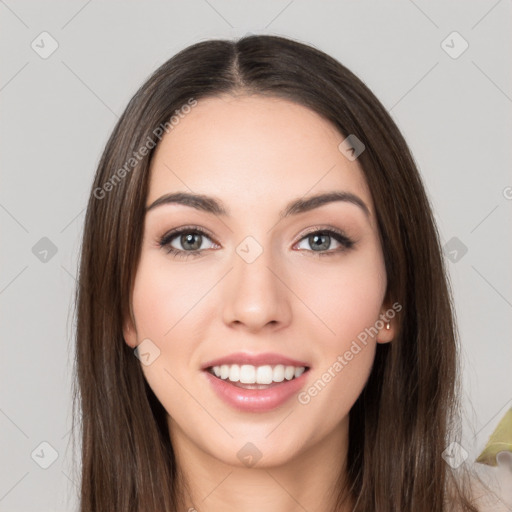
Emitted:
pixel 149 144
pixel 344 359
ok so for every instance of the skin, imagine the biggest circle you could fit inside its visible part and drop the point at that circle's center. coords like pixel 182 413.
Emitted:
pixel 256 154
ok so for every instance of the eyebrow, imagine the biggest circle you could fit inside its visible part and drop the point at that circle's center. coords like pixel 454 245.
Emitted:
pixel 212 205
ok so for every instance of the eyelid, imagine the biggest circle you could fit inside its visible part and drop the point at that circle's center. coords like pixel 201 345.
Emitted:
pixel 324 228
pixel 186 229
pixel 320 227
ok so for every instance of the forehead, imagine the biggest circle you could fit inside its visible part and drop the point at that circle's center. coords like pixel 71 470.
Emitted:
pixel 249 149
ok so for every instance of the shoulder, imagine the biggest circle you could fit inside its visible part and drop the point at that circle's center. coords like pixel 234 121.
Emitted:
pixel 488 489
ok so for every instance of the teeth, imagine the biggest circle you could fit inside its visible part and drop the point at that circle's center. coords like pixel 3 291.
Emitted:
pixel 264 374
pixel 299 371
pixel 249 374
pixel 278 374
pixel 224 371
pixel 289 372
pixel 234 373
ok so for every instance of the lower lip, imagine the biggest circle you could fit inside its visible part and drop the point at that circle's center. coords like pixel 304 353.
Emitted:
pixel 256 400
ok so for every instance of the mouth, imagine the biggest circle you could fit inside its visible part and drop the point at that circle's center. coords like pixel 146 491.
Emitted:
pixel 247 376
pixel 256 388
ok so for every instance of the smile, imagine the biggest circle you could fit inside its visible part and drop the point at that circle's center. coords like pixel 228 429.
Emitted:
pixel 258 375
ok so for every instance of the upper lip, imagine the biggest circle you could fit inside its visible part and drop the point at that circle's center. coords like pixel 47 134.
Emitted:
pixel 267 358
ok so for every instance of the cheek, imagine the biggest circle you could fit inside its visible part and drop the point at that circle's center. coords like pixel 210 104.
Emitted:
pixel 166 308
pixel 345 295
pixel 348 299
pixel 166 299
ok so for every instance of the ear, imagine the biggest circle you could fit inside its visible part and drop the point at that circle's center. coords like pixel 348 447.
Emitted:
pixel 386 318
pixel 130 333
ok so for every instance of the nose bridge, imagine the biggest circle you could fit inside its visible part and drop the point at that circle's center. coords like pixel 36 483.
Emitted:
pixel 255 296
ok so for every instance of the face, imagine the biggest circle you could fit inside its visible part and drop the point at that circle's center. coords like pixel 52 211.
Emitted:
pixel 253 289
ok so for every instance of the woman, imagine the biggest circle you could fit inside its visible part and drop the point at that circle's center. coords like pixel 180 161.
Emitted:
pixel 264 320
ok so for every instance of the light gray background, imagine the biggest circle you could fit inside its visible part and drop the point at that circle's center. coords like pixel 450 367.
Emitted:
pixel 57 113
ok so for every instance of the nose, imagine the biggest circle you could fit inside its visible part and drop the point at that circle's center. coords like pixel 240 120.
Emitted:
pixel 255 295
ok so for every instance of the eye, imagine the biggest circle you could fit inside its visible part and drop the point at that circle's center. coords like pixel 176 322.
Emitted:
pixel 190 238
pixel 321 240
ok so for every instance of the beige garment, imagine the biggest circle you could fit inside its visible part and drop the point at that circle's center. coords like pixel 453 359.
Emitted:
pixel 499 480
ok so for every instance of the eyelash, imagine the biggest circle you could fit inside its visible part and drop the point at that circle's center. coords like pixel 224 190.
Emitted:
pixel 165 241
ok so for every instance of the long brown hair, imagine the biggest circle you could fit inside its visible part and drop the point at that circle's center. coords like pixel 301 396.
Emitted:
pixel 402 421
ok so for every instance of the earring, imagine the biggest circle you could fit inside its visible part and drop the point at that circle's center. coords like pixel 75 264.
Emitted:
pixel 388 327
